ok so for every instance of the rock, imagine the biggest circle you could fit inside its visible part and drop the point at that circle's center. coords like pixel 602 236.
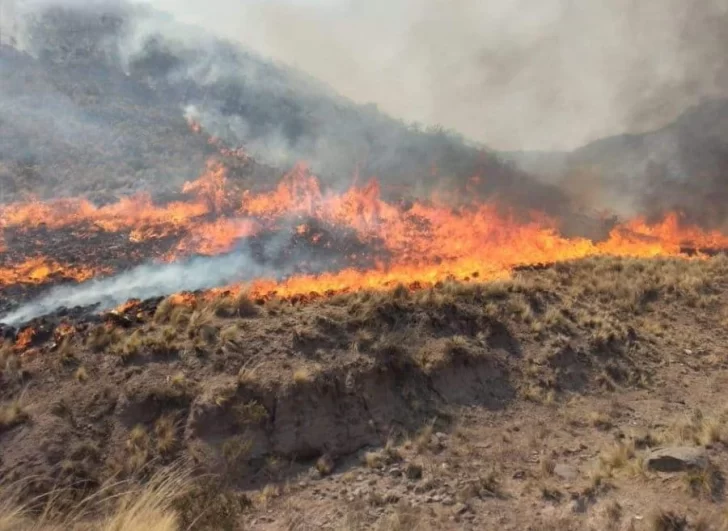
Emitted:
pixel 448 500
pixel 676 459
pixel 566 472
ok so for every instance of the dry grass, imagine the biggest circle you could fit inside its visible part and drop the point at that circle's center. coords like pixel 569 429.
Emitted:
pixel 12 414
pixel 251 412
pixel 547 466
pixel 485 486
pixel 615 458
pixel 230 306
pixel 388 455
pixel 137 448
pixel 179 380
pixel 581 311
pixel 102 337
pixel 699 429
pixel 423 440
pixel 165 433
pixel 302 375
pixel 117 507
pixel 81 374
pixel 269 493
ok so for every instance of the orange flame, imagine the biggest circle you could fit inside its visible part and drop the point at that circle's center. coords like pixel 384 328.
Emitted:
pixel 426 241
pixel 25 338
pixel 39 270
pixel 62 331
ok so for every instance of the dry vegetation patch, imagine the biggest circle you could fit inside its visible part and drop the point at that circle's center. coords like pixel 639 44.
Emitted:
pixel 222 381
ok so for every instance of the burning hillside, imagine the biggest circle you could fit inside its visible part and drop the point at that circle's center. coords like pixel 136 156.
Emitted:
pixel 212 262
pixel 295 240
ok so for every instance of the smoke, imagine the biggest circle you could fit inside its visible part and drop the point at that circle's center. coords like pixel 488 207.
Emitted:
pixel 272 260
pixel 519 74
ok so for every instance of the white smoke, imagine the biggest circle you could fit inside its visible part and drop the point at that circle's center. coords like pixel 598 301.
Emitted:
pixel 156 280
pixel 514 74
pixel 143 282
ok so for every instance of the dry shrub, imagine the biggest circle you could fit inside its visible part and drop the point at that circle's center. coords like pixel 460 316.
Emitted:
pixel 699 429
pixel 11 415
pixel 165 432
pixel 615 458
pixel 302 375
pixel 384 457
pixel 81 374
pixel 137 448
pixel 237 305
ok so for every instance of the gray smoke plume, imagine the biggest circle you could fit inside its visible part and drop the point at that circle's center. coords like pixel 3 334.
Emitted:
pixel 143 282
pixel 515 74
pixel 155 280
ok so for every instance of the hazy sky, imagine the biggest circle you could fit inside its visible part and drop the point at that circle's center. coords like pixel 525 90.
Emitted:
pixel 532 74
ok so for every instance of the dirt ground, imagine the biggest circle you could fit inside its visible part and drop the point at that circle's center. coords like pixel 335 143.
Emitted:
pixel 534 403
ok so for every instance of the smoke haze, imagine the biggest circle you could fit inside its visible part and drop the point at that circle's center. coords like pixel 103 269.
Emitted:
pixel 522 74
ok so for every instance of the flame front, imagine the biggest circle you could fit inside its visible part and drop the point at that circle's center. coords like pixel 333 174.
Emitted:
pixel 424 242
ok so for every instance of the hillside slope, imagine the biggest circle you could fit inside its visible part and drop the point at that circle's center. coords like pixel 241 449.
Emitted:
pixel 533 403
pixel 681 167
pixel 102 98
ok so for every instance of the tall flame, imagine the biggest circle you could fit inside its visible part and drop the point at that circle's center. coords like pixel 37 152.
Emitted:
pixel 425 242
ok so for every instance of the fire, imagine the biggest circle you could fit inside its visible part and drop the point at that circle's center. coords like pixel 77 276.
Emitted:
pixel 215 237
pixel 62 331
pixel 39 270
pixel 422 242
pixel 210 189
pixel 25 338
